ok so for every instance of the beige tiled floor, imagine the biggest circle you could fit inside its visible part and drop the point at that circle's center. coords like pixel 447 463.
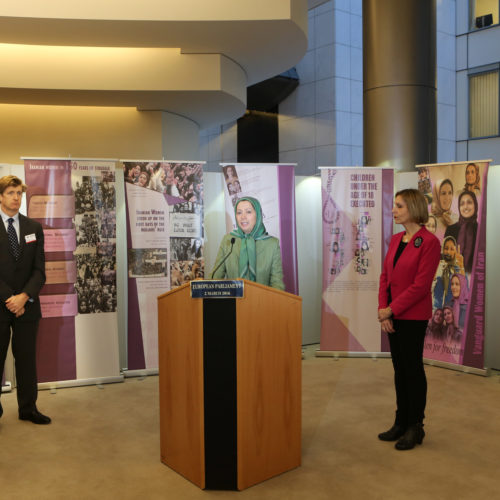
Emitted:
pixel 104 443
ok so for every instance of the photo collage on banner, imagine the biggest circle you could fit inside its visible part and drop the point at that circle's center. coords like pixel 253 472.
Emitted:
pixel 357 227
pixel 456 194
pixel 165 244
pixel 274 186
pixel 75 203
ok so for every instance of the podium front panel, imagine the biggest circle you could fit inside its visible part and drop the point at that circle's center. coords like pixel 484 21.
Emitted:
pixel 219 358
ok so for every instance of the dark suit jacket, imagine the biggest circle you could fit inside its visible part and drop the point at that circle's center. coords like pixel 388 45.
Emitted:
pixel 27 274
pixel 411 279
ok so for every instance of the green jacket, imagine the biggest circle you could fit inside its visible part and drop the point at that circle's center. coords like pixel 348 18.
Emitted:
pixel 269 267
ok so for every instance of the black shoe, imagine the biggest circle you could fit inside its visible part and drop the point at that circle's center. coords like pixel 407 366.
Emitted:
pixel 393 434
pixel 414 435
pixel 36 417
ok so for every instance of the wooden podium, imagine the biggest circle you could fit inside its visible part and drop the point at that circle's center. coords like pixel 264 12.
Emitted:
pixel 230 385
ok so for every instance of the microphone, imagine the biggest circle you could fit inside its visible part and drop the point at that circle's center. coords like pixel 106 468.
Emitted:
pixel 224 259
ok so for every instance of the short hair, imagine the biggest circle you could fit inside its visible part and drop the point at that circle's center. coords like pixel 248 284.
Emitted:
pixel 11 180
pixel 416 203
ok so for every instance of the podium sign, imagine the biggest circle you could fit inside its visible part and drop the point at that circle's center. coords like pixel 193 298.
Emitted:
pixel 217 289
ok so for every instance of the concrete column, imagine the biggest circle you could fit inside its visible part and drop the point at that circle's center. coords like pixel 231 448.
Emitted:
pixel 399 82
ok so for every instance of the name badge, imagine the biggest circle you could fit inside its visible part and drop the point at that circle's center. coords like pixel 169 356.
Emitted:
pixel 30 238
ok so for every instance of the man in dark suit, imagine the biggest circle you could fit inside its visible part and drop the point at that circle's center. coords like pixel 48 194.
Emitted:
pixel 22 275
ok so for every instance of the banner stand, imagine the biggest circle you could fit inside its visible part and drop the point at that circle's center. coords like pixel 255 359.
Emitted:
pixel 485 372
pixel 62 384
pixel 147 372
pixel 351 354
pixel 375 355
pixel 7 387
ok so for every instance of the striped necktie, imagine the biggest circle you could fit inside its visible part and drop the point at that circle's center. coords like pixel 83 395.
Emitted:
pixel 15 248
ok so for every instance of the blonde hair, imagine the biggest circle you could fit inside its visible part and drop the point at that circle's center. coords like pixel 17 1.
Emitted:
pixel 416 203
pixel 11 180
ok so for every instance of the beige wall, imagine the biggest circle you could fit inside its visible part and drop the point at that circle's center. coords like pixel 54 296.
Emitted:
pixel 93 132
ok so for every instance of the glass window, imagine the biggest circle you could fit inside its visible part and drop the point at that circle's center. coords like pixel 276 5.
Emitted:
pixel 483 13
pixel 483 104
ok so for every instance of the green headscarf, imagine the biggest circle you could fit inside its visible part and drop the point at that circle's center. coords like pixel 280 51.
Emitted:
pixel 248 260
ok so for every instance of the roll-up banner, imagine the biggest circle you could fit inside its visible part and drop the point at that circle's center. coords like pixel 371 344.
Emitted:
pixel 357 228
pixel 74 200
pixel 165 245
pixel 456 194
pixel 274 186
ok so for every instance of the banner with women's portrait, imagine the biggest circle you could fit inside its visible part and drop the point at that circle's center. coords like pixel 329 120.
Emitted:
pixel 74 200
pixel 165 244
pixel 456 194
pixel 357 228
pixel 274 186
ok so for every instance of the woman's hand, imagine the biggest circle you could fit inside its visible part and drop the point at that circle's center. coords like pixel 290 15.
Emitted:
pixel 387 326
pixel 459 260
pixel 384 314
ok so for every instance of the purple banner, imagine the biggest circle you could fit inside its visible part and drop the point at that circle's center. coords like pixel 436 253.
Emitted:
pixel 75 202
pixel 50 181
pixel 457 215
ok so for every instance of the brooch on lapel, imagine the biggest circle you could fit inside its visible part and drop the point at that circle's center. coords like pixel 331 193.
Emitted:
pixel 417 242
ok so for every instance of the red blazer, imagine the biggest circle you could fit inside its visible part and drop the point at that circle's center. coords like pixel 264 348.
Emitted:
pixel 411 279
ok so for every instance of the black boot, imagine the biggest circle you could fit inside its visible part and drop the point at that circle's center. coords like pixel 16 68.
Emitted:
pixel 414 435
pixel 393 434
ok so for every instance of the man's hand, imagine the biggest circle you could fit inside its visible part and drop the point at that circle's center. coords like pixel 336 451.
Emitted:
pixel 15 303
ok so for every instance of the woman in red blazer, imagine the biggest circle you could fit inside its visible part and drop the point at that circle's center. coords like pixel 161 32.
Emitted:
pixel 405 307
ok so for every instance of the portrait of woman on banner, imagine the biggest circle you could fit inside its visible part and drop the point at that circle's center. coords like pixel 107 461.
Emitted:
pixel 453 333
pixel 435 327
pixel 460 294
pixel 442 200
pixel 464 231
pixel 473 179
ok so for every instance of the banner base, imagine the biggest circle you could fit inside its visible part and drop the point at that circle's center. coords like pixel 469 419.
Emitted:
pixel 145 372
pixel 80 382
pixel 485 372
pixel 7 387
pixel 351 354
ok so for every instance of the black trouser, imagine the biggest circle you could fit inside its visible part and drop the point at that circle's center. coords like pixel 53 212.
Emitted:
pixel 24 351
pixel 407 347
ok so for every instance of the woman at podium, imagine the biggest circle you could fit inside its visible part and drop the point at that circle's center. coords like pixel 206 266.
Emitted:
pixel 249 252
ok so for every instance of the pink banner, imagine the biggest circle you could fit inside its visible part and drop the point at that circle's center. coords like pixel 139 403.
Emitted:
pixel 457 215
pixel 56 306
pixel 60 240
pixel 60 272
pixel 357 224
